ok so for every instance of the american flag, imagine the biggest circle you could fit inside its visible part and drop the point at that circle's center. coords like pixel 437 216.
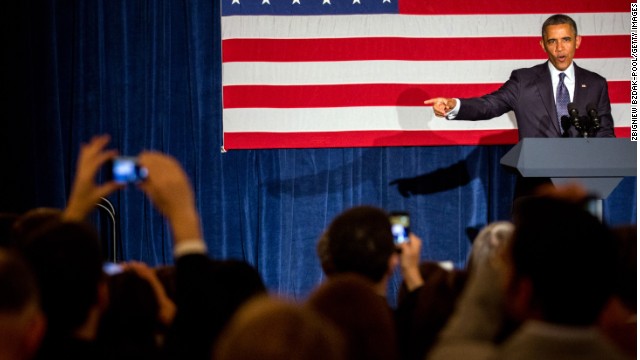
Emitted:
pixel 355 73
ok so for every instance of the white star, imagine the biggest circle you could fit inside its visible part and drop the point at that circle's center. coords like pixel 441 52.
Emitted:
pixel 356 2
pixel 326 2
pixel 235 2
pixel 266 2
pixel 296 2
pixel 384 1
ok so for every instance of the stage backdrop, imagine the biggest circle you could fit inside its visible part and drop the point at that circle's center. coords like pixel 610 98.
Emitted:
pixel 336 73
pixel 150 74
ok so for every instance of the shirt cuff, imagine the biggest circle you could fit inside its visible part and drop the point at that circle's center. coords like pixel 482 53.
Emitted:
pixel 189 246
pixel 451 115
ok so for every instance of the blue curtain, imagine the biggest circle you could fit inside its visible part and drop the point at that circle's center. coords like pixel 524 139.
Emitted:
pixel 149 74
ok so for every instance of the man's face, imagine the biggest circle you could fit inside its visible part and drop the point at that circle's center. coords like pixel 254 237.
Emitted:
pixel 560 44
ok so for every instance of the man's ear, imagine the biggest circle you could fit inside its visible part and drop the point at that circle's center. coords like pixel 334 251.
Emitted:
pixel 33 336
pixel 542 45
pixel 520 297
pixel 578 41
pixel 103 295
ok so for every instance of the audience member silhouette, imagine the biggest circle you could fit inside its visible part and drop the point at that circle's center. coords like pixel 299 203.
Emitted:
pixel 31 221
pixel 266 328
pixel 432 306
pixel 551 284
pixel 366 321
pixel 67 263
pixel 204 289
pixel 618 320
pixel 22 324
pixel 359 241
pixel 139 312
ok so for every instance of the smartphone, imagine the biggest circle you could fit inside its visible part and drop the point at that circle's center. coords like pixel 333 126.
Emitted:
pixel 111 268
pixel 400 222
pixel 125 170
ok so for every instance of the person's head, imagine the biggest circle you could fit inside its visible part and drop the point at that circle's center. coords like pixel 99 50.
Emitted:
pixel 131 321
pixel 32 221
pixel 271 329
pixel 434 305
pixel 560 40
pixel 560 261
pixel 626 284
pixel 359 240
pixel 237 282
pixel 67 263
pixel 22 323
pixel 366 321
pixel 489 242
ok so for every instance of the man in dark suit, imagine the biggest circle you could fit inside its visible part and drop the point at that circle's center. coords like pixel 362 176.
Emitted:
pixel 539 95
pixel 533 93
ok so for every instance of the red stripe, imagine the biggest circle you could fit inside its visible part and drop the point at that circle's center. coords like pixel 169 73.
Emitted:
pixel 622 132
pixel 413 49
pixel 256 140
pixel 315 96
pixel 458 7
pixel 366 139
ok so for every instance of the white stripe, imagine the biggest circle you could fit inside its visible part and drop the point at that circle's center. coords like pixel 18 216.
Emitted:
pixel 368 118
pixel 304 27
pixel 399 72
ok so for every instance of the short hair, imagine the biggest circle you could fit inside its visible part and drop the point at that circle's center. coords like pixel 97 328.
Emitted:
pixel 17 284
pixel 626 284
pixel 569 257
pixel 559 19
pixel 67 261
pixel 359 240
pixel 19 301
pixel 350 302
pixel 489 242
pixel 31 222
pixel 267 328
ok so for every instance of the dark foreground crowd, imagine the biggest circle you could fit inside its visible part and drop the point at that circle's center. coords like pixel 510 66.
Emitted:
pixel 553 283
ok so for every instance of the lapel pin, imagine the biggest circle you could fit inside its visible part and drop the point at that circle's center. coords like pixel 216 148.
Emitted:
pixel 584 85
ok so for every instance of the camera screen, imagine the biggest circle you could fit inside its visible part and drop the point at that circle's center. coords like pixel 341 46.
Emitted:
pixel 126 170
pixel 400 228
pixel 112 268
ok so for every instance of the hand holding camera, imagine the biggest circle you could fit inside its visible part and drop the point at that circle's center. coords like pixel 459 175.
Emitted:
pixel 85 192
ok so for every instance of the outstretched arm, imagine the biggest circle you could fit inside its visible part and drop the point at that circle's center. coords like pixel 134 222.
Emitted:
pixel 168 187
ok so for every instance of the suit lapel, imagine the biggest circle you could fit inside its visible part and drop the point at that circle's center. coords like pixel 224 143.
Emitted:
pixel 580 91
pixel 545 88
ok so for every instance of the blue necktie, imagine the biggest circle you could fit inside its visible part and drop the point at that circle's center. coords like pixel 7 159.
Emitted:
pixel 562 99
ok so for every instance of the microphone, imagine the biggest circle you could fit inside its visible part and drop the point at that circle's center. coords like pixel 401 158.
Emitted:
pixel 593 115
pixel 565 122
pixel 574 116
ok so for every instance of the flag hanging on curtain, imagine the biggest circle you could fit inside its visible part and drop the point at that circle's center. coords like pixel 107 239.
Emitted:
pixel 355 73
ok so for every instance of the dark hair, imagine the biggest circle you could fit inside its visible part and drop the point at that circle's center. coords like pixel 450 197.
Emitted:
pixel 627 264
pixel 569 257
pixel 17 283
pixel 67 262
pixel 360 241
pixel 559 19
pixel 272 329
pixel 365 320
pixel 130 324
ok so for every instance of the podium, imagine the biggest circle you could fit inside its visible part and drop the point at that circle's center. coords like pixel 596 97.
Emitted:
pixel 598 164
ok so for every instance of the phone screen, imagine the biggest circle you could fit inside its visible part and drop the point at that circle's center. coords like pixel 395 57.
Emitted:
pixel 126 170
pixel 111 268
pixel 400 222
